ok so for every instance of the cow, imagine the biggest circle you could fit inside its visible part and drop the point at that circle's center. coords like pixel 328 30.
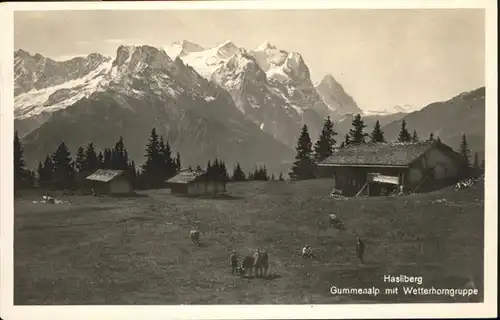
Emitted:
pixel 258 262
pixel 247 265
pixel 261 264
pixel 194 235
pixel 307 252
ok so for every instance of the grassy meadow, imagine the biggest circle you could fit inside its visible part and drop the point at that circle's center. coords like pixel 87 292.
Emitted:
pixel 104 250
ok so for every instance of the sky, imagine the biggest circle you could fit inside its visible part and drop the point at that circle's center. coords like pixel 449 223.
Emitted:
pixel 381 57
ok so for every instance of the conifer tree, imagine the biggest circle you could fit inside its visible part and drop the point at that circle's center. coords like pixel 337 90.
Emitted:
pixel 40 173
pixel 223 171
pixel 281 177
pixel 238 174
pixel 476 165
pixel 465 151
pixel 19 165
pixel 170 163
pixel 209 170
pixel 356 134
pixel 178 165
pixel 80 159
pixel 260 174
pixel 63 169
pixel 107 162
pixel 272 177
pixel 46 172
pixel 163 155
pixel 100 161
pixel 431 137
pixel 198 168
pixel 119 156
pixel 346 141
pixel 263 173
pixel 323 148
pixel 217 170
pixel 377 134
pixel 303 166
pixel 132 173
pixel 438 139
pixel 414 137
pixel 152 168
pixel 30 178
pixel 92 161
pixel 404 135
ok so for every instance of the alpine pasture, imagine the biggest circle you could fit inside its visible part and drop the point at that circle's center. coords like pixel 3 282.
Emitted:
pixel 136 250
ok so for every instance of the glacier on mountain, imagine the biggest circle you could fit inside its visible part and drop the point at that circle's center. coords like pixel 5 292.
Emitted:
pixel 271 87
pixel 132 65
pixel 60 96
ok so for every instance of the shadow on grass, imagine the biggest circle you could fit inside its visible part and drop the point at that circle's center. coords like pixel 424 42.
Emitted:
pixel 270 277
pixel 266 277
pixel 211 197
pixel 128 195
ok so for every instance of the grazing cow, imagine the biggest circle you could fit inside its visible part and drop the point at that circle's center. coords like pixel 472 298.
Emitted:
pixel 335 221
pixel 307 252
pixel 194 235
pixel 261 264
pixel 247 265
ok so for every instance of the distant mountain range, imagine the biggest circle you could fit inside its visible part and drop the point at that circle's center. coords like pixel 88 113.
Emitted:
pixel 448 120
pixel 226 101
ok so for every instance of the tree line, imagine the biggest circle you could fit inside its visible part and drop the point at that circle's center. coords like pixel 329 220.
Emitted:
pixel 59 170
pixel 309 155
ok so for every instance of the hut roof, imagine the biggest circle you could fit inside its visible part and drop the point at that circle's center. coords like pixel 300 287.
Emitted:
pixel 379 154
pixel 186 176
pixel 105 175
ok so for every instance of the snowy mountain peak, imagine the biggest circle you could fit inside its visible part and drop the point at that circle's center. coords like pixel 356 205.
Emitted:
pixel 21 52
pixel 242 63
pixel 393 110
pixel 185 47
pixel 182 48
pixel 266 45
pixel 329 80
pixel 331 83
pixel 295 66
pixel 227 43
pixel 140 57
pixel 189 46
pixel 226 49
pixel 335 97
pixel 35 72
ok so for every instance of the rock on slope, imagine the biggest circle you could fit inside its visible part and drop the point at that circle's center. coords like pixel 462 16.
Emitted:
pixel 335 97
